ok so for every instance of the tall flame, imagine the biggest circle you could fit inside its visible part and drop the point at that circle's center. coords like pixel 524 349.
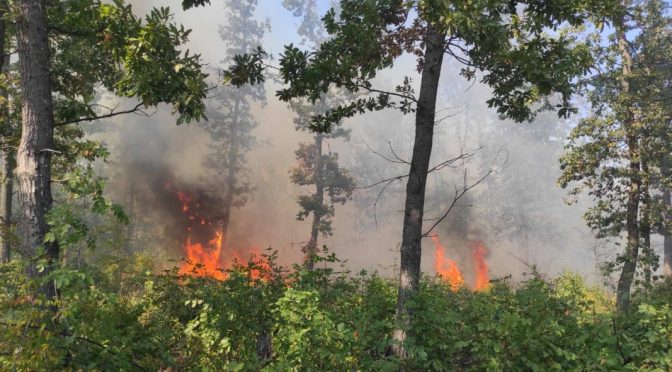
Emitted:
pixel 445 267
pixel 202 261
pixel 480 267
pixel 449 270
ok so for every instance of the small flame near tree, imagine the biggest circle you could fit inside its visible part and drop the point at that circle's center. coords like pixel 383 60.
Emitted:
pixel 449 271
pixel 204 244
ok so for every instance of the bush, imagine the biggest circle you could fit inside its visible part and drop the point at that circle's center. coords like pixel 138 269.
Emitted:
pixel 263 317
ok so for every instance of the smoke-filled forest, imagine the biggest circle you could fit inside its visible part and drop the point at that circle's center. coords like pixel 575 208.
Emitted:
pixel 336 185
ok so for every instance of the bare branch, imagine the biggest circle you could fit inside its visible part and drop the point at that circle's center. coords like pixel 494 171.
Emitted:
pixel 465 188
pixel 111 113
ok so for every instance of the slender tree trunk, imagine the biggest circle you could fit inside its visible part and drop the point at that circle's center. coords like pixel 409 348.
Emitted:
pixel 632 212
pixel 649 255
pixel 232 157
pixel 7 198
pixel 311 247
pixel 667 237
pixel 666 171
pixel 411 248
pixel 8 161
pixel 37 136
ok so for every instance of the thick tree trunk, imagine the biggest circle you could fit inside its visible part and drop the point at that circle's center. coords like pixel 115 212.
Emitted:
pixel 37 136
pixel 632 211
pixel 311 247
pixel 411 249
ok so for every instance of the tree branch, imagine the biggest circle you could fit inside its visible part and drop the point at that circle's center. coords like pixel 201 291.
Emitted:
pixel 110 114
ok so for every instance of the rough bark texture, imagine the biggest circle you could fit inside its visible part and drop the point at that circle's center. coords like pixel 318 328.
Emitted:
pixel 36 147
pixel 632 211
pixel 411 249
pixel 311 247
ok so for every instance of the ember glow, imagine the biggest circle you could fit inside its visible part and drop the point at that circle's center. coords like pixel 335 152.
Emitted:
pixel 449 271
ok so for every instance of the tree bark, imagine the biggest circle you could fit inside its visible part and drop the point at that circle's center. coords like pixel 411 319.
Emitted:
pixel 648 254
pixel 311 247
pixel 667 234
pixel 411 244
pixel 666 172
pixel 37 137
pixel 632 212
pixel 8 161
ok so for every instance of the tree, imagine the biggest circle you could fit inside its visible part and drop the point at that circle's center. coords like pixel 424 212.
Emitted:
pixel 505 40
pixel 9 137
pixel 68 49
pixel 231 122
pixel 315 167
pixel 619 151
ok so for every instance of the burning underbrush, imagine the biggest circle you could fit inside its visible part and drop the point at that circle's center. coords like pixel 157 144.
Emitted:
pixel 205 248
pixel 448 269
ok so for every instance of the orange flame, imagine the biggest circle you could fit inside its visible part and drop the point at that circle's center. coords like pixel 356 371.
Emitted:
pixel 206 260
pixel 202 261
pixel 449 270
pixel 445 267
pixel 480 267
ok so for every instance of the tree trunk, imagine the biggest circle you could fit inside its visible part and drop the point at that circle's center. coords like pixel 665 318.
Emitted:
pixel 232 157
pixel 311 247
pixel 632 212
pixel 411 248
pixel 649 255
pixel 8 161
pixel 7 198
pixel 666 171
pixel 37 137
pixel 667 237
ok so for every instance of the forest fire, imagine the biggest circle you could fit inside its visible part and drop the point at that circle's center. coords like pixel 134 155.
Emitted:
pixel 448 269
pixel 204 243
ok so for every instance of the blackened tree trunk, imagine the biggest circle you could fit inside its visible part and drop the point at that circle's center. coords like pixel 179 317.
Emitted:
pixel 632 210
pixel 37 136
pixel 411 249
pixel 318 199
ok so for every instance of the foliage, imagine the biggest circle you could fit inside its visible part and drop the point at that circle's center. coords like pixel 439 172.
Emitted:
pixel 119 315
